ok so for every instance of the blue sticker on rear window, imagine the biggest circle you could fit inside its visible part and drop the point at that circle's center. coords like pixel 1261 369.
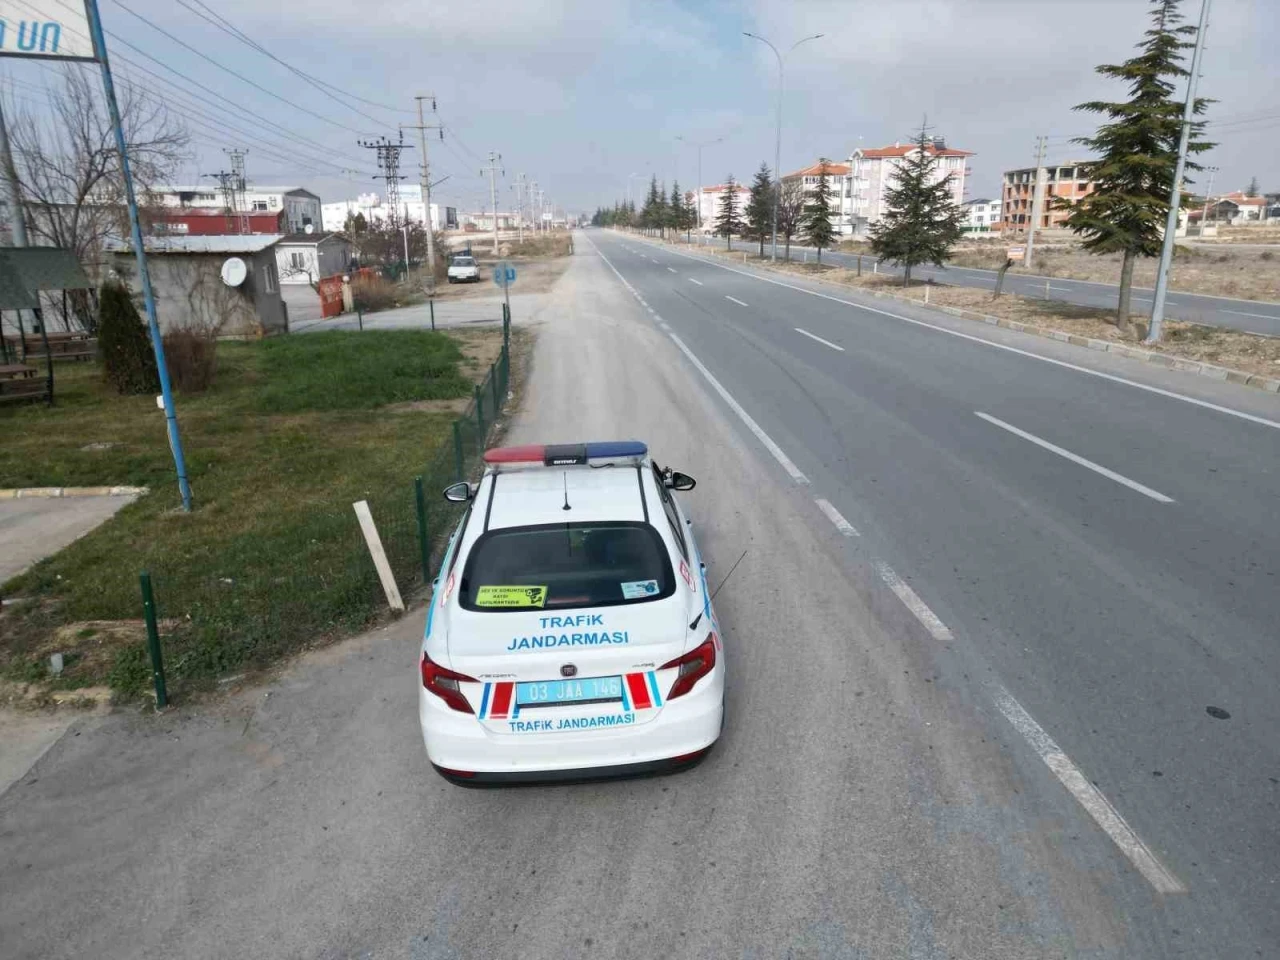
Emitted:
pixel 635 589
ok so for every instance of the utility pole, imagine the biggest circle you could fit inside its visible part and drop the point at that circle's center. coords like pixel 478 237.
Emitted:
pixel 1175 195
pixel 388 153
pixel 227 183
pixel 425 170
pixel 241 187
pixel 1208 197
pixel 1042 146
pixel 493 169
pixel 541 208
pixel 520 185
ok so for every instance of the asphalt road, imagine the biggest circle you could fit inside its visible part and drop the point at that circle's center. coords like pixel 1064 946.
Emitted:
pixel 909 693
pixel 1252 316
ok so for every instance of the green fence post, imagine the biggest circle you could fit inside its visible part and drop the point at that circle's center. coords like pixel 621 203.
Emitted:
pixel 423 543
pixel 506 328
pixel 479 417
pixel 506 370
pixel 153 641
pixel 493 378
pixel 432 304
pixel 457 448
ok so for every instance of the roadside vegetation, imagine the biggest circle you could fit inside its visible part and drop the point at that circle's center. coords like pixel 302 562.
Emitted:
pixel 292 431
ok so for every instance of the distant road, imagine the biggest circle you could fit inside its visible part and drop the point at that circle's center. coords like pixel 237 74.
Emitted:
pixel 1251 316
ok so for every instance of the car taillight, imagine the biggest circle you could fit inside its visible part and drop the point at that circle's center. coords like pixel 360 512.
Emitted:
pixel 444 684
pixel 694 665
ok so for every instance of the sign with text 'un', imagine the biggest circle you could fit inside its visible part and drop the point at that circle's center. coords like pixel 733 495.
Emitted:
pixel 45 29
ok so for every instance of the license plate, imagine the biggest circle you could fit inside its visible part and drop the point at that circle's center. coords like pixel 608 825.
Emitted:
pixel 585 690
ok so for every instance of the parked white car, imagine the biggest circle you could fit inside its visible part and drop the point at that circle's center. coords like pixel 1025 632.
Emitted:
pixel 464 269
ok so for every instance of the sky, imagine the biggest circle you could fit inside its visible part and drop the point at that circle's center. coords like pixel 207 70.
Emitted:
pixel 592 97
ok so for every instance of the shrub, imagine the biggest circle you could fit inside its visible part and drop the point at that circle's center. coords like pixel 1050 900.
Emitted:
pixel 372 294
pixel 191 358
pixel 128 361
pixel 1266 255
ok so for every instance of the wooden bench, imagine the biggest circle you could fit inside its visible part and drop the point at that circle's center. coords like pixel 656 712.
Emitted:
pixel 62 346
pixel 24 388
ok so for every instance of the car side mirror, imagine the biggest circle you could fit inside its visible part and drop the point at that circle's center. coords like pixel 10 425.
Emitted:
pixel 680 481
pixel 459 492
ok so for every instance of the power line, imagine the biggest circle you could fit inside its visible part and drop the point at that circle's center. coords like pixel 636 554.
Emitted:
pixel 239 76
pixel 330 91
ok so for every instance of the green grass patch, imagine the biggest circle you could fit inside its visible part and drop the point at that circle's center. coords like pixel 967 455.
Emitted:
pixel 292 432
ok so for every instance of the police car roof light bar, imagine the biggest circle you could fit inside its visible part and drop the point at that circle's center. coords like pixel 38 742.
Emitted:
pixel 566 454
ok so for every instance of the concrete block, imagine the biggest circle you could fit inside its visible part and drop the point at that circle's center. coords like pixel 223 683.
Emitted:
pixel 1078 341
pixel 1212 372
pixel 1238 376
pixel 1096 344
pixel 1059 336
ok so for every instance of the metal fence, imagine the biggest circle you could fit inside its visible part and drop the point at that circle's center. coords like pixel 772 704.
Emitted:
pixel 207 627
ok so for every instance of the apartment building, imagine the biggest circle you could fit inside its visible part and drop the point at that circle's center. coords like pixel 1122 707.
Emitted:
pixel 837 182
pixel 301 207
pixel 1068 181
pixel 873 171
pixel 981 216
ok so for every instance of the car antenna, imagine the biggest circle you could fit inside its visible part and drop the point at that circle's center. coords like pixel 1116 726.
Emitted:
pixel 698 618
pixel 566 492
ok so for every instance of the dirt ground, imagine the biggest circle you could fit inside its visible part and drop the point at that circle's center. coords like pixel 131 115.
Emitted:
pixel 532 276
pixel 1227 348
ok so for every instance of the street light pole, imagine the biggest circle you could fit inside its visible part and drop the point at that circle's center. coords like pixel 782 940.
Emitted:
pixel 777 145
pixel 1175 196
pixel 700 145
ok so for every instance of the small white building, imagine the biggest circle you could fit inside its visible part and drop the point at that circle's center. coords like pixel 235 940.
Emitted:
pixel 981 216
pixel 709 203
pixel 308 257
pixel 302 208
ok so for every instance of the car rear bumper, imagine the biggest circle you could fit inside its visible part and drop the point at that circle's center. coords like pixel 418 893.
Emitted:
pixel 457 743
pixel 469 778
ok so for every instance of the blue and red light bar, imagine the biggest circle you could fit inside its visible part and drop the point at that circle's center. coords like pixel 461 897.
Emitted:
pixel 566 454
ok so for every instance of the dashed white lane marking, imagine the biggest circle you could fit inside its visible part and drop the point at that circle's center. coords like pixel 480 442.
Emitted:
pixel 825 343
pixel 735 300
pixel 754 427
pixel 1274 424
pixel 832 514
pixel 1090 797
pixel 1241 313
pixel 673 269
pixel 736 407
pixel 698 282
pixel 937 629
pixel 1076 458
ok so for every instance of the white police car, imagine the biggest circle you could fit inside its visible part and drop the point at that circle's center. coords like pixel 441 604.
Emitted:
pixel 570 633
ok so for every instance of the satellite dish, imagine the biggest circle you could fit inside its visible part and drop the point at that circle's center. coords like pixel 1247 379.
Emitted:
pixel 234 271
pixel 309 228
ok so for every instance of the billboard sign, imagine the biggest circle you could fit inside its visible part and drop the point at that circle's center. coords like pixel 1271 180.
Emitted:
pixel 45 30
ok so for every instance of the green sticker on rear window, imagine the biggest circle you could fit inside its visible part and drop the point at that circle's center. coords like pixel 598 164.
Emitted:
pixel 511 596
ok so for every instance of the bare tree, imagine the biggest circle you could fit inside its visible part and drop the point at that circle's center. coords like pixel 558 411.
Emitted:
pixel 791 210
pixel 69 169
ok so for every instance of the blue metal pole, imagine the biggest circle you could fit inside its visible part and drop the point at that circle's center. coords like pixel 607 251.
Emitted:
pixel 144 277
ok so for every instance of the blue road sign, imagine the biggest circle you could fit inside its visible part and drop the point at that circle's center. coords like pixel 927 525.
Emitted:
pixel 504 274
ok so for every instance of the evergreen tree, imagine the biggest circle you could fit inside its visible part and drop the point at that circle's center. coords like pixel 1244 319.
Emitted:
pixel 675 209
pixel 128 360
pixel 1252 191
pixel 728 219
pixel 759 212
pixel 653 214
pixel 690 214
pixel 817 212
pixel 1138 150
pixel 923 221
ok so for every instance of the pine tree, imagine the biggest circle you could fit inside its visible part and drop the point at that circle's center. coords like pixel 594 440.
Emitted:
pixel 1138 151
pixel 728 219
pixel 817 212
pixel 654 213
pixel 1252 190
pixel 690 214
pixel 128 360
pixel 923 221
pixel 759 212
pixel 675 209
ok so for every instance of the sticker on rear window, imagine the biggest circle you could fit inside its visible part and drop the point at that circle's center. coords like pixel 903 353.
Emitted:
pixel 511 596
pixel 635 589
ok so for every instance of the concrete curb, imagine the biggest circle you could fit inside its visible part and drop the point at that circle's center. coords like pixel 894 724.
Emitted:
pixel 1213 372
pixel 22 493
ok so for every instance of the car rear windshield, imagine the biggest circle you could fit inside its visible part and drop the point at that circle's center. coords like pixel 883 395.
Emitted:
pixel 561 565
pixel 463 262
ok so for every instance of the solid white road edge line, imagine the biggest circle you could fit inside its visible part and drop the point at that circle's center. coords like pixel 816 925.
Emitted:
pixel 1089 796
pixel 1076 458
pixel 754 427
pixel 1274 424
pixel 825 343
pixel 698 282
pixel 735 300
pixel 746 418
pixel 832 514
pixel 937 629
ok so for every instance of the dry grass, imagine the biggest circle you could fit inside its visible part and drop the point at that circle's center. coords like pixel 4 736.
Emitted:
pixel 1242 274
